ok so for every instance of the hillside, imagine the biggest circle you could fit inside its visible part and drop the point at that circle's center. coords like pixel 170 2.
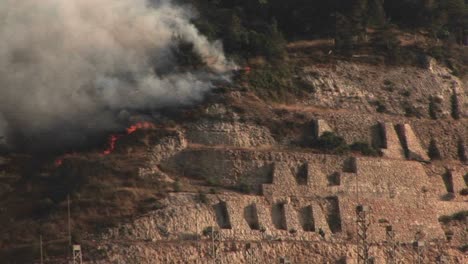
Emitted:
pixel 273 159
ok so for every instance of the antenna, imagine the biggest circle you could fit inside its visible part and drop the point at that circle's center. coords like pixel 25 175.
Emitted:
pixel 363 224
pixel 215 245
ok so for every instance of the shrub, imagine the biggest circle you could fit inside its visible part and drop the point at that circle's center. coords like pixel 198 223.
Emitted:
pixel 464 248
pixel 448 196
pixel 464 192
pixel 328 141
pixel 455 108
pixel 380 108
pixel 208 231
pixel 176 186
pixel 433 151
pixel 433 108
pixel 445 219
pixel 461 150
pixel 244 188
pixel 212 181
pixel 364 148
pixel 460 216
pixel 202 198
pixel 406 93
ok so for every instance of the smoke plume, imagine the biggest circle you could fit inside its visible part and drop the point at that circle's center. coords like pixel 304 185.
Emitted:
pixel 68 66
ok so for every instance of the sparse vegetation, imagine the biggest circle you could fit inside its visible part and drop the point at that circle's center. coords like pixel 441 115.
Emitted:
pixel 212 181
pixel 433 108
pixel 461 151
pixel 459 216
pixel 433 151
pixel 244 187
pixel 177 186
pixel 464 192
pixel 455 107
pixel 380 107
pixel 330 142
pixel 202 198
pixel 364 148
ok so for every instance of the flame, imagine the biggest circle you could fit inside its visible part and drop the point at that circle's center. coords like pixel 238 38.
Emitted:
pixel 58 162
pixel 114 137
pixel 141 125
pixel 111 147
pixel 112 141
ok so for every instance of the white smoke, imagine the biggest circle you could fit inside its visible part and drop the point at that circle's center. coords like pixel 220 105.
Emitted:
pixel 74 61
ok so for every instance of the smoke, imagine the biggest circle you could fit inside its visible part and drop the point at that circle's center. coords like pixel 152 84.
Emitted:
pixel 68 66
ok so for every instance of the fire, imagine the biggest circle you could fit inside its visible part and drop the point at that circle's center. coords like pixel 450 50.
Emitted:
pixel 58 162
pixel 112 141
pixel 114 137
pixel 141 125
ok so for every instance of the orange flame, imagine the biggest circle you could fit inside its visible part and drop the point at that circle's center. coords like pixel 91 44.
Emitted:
pixel 58 162
pixel 141 125
pixel 112 141
pixel 113 138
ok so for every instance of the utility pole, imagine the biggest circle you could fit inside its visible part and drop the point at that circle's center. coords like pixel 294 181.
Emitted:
pixel 77 255
pixel 69 227
pixel 390 245
pixel 419 248
pixel 41 252
pixel 363 224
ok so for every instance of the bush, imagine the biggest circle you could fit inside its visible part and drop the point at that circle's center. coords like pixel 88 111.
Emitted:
pixel 177 186
pixel 433 151
pixel 244 188
pixel 455 108
pixel 364 148
pixel 208 231
pixel 445 219
pixel 212 181
pixel 328 141
pixel 433 108
pixel 464 192
pixel 461 150
pixel 464 248
pixel 380 108
pixel 202 198
pixel 448 196
pixel 460 216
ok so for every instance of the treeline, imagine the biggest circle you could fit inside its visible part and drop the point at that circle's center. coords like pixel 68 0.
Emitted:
pixel 261 27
